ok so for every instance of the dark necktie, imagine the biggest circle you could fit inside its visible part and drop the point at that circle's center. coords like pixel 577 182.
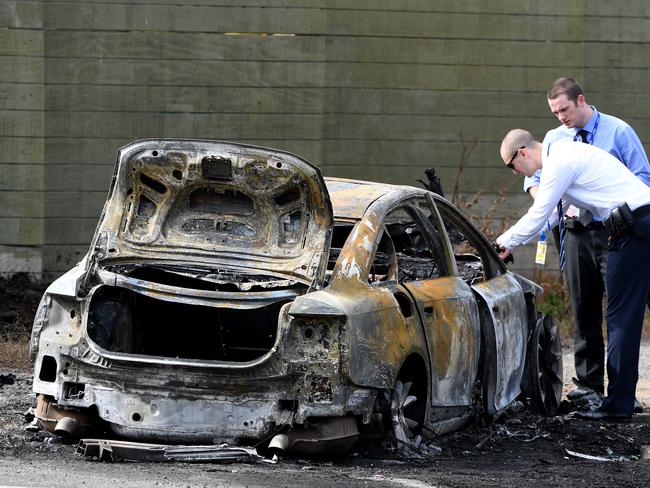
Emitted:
pixel 583 136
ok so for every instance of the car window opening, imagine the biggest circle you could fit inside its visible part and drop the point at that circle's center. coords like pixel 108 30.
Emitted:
pixel 468 258
pixel 404 250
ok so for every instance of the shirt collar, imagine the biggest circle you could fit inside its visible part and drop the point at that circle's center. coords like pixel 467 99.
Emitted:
pixel 589 126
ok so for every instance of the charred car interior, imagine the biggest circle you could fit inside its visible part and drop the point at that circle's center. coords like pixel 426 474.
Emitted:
pixel 232 294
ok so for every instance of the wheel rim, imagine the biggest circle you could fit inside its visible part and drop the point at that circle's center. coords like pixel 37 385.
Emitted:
pixel 403 413
pixel 547 370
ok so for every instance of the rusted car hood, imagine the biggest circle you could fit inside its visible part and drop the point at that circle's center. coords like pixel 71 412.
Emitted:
pixel 216 205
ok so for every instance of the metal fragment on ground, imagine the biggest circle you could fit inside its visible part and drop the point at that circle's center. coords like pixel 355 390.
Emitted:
pixel 34 426
pixel 589 401
pixel 115 451
pixel 591 457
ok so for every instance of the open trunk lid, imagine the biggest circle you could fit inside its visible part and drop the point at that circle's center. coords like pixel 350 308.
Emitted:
pixel 216 205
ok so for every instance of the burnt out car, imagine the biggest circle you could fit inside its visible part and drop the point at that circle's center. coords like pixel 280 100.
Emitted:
pixel 232 294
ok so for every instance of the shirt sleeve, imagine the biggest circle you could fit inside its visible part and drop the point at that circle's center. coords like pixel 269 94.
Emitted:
pixel 531 181
pixel 632 153
pixel 554 181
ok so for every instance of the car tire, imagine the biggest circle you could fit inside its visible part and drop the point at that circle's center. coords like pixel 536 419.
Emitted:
pixel 543 373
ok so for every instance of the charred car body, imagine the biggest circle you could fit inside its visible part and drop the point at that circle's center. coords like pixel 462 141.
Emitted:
pixel 232 294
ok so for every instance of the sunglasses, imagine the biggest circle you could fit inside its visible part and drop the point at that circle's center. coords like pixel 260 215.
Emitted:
pixel 510 163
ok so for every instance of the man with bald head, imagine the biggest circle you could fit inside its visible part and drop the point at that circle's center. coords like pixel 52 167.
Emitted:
pixel 590 178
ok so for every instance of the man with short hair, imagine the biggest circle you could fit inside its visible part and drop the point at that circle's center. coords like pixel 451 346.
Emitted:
pixel 585 243
pixel 583 175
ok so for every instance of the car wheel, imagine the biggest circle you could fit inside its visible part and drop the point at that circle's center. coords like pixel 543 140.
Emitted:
pixel 407 413
pixel 545 366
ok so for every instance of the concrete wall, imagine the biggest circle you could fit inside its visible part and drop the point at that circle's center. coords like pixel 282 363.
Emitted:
pixel 372 89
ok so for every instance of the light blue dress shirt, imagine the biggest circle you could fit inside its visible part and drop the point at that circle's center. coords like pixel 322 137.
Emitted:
pixel 614 136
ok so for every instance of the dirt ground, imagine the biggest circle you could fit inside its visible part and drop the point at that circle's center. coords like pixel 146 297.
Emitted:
pixel 520 449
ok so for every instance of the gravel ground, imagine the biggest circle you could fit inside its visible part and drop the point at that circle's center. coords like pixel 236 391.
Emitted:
pixel 642 387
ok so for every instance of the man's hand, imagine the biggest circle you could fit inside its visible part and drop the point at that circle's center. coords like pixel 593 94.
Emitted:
pixel 504 254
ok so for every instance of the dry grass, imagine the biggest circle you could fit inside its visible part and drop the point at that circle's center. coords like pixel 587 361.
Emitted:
pixel 555 302
pixel 14 353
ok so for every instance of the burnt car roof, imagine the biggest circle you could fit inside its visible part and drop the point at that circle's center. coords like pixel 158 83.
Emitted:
pixel 350 198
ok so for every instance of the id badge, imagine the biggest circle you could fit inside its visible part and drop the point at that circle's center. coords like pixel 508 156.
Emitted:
pixel 540 255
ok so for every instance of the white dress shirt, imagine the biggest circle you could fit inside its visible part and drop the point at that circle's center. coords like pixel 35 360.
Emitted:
pixel 582 175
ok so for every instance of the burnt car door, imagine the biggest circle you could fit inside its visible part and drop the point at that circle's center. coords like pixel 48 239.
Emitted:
pixel 501 303
pixel 445 304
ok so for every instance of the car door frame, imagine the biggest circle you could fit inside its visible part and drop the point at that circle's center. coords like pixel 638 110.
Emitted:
pixel 504 327
pixel 448 316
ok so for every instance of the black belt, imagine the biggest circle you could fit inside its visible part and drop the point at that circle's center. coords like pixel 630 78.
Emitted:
pixel 575 225
pixel 595 225
pixel 642 211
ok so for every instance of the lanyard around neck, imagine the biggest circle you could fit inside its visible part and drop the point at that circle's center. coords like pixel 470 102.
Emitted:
pixel 593 132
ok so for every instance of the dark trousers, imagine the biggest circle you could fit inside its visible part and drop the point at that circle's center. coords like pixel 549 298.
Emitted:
pixel 628 291
pixel 584 273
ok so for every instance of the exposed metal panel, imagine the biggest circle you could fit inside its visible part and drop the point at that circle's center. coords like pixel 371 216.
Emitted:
pixel 116 450
pixel 507 310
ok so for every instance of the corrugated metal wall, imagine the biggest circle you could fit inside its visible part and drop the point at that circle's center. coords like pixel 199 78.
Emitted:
pixel 372 89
